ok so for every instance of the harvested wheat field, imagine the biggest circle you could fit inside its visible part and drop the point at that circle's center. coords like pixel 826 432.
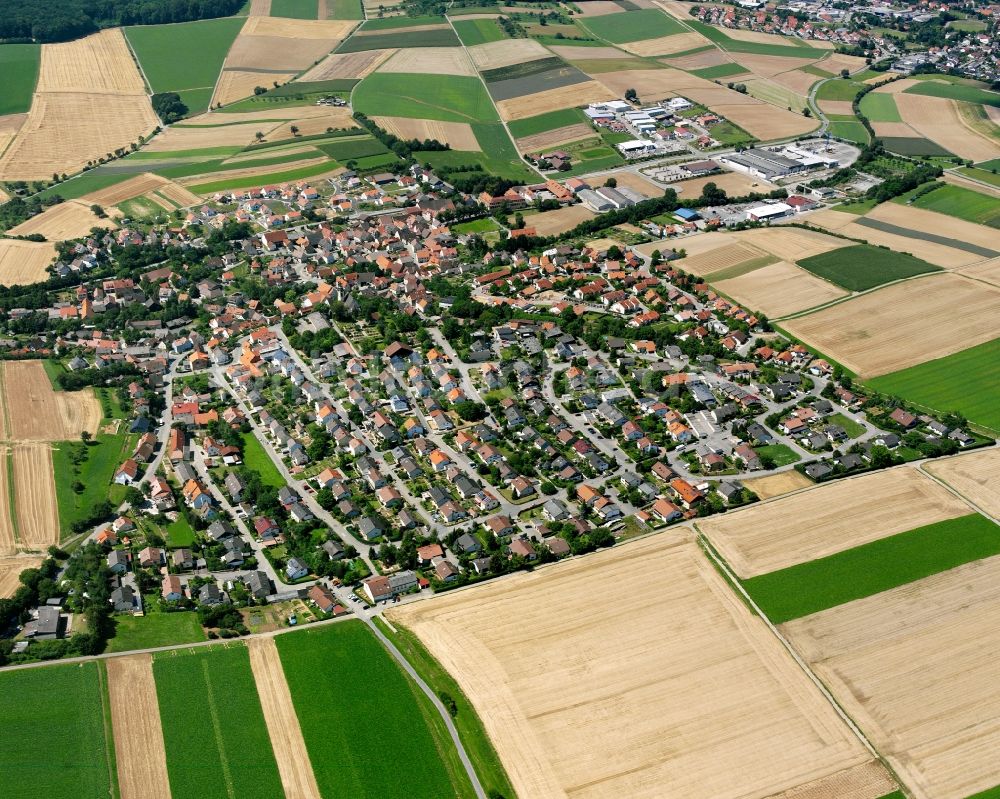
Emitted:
pixel 10 124
pixel 531 105
pixel 975 476
pixel 35 496
pixel 551 223
pixel 701 60
pixel 576 53
pixel 844 107
pixel 791 244
pixel 68 220
pixel 657 83
pixel 938 254
pixel 598 8
pixel 97 64
pixel 742 35
pixel 666 45
pixel 126 190
pixel 766 122
pixel 777 484
pixel 8 536
pixel 23 262
pixel 282 724
pixel 430 61
pixel 10 572
pixel 987 271
pixel 552 138
pixel 692 681
pixel 178 194
pixel 916 668
pixel 336 118
pixel 903 324
pixel 638 183
pixel 835 62
pixel 177 138
pixel 729 254
pixel 894 130
pixel 65 130
pixel 135 719
pixel 780 289
pixel 235 84
pixel 458 134
pixel 260 8
pixel 831 219
pixel 347 65
pixel 494 55
pixel 769 65
pixel 921 219
pixel 37 413
pixel 829 518
pixel 735 184
pixel 938 119
pixel 299 29
pixel 796 80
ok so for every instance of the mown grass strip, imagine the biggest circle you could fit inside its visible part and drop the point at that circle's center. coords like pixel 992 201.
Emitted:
pixel 872 568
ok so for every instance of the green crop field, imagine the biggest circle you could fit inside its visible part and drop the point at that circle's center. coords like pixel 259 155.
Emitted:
pixel 213 727
pixel 478 31
pixel 543 122
pixel 295 9
pixel 448 98
pixel 633 26
pixel 392 23
pixel 963 204
pixel 522 70
pixel 344 9
pixel 967 382
pixel 839 89
pixel 982 175
pixel 849 129
pixel 256 180
pixel 955 91
pixel 719 71
pixel 155 629
pixel 54 724
pixel 913 145
pixel 19 67
pixel 880 107
pixel 874 567
pixel 862 266
pixel 797 48
pixel 344 151
pixel 185 58
pixel 368 730
pixel 436 37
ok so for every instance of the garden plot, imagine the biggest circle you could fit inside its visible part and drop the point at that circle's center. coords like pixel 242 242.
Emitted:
pixel 514 647
pixel 976 476
pixel 347 65
pixel 135 719
pixel 903 324
pixel 828 519
pixel 916 668
pixel 68 220
pixel 937 118
pixel 494 55
pixel 23 262
pixel 780 289
pixel 579 94
pixel 430 61
pixel 459 135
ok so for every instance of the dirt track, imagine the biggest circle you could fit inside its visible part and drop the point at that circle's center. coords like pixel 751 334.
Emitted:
pixel 282 724
pixel 135 717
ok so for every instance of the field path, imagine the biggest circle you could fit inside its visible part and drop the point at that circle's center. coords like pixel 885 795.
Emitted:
pixel 296 772
pixel 135 718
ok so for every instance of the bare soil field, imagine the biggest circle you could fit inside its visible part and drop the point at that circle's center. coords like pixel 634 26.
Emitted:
pixel 938 119
pixel 10 571
pixel 65 130
pixel 938 254
pixel 836 106
pixel 35 496
pixel 764 121
pixel 37 413
pixel 135 719
pixel 347 65
pixel 23 262
pixel 575 53
pixel 97 64
pixel 68 220
pixel 551 138
pixel 553 99
pixel 458 134
pixel 735 184
pixel 975 476
pixel 550 223
pixel 778 484
pixel 666 45
pixel 8 537
pixel 780 289
pixel 903 324
pixel 921 219
pixel 828 519
pixel 692 666
pixel 282 724
pixel 916 668
pixel 430 61
pixel 494 55
pixel 791 244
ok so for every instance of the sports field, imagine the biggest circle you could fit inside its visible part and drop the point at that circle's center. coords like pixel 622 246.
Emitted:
pixel 633 26
pixel 871 568
pixel 352 699
pixel 861 267
pixel 580 704
pixel 449 98
pixel 185 58
pixel 19 67
pixel 967 382
pixel 213 726
pixel 966 204
pixel 55 724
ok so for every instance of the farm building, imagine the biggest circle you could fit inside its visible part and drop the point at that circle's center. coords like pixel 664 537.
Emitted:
pixel 765 213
